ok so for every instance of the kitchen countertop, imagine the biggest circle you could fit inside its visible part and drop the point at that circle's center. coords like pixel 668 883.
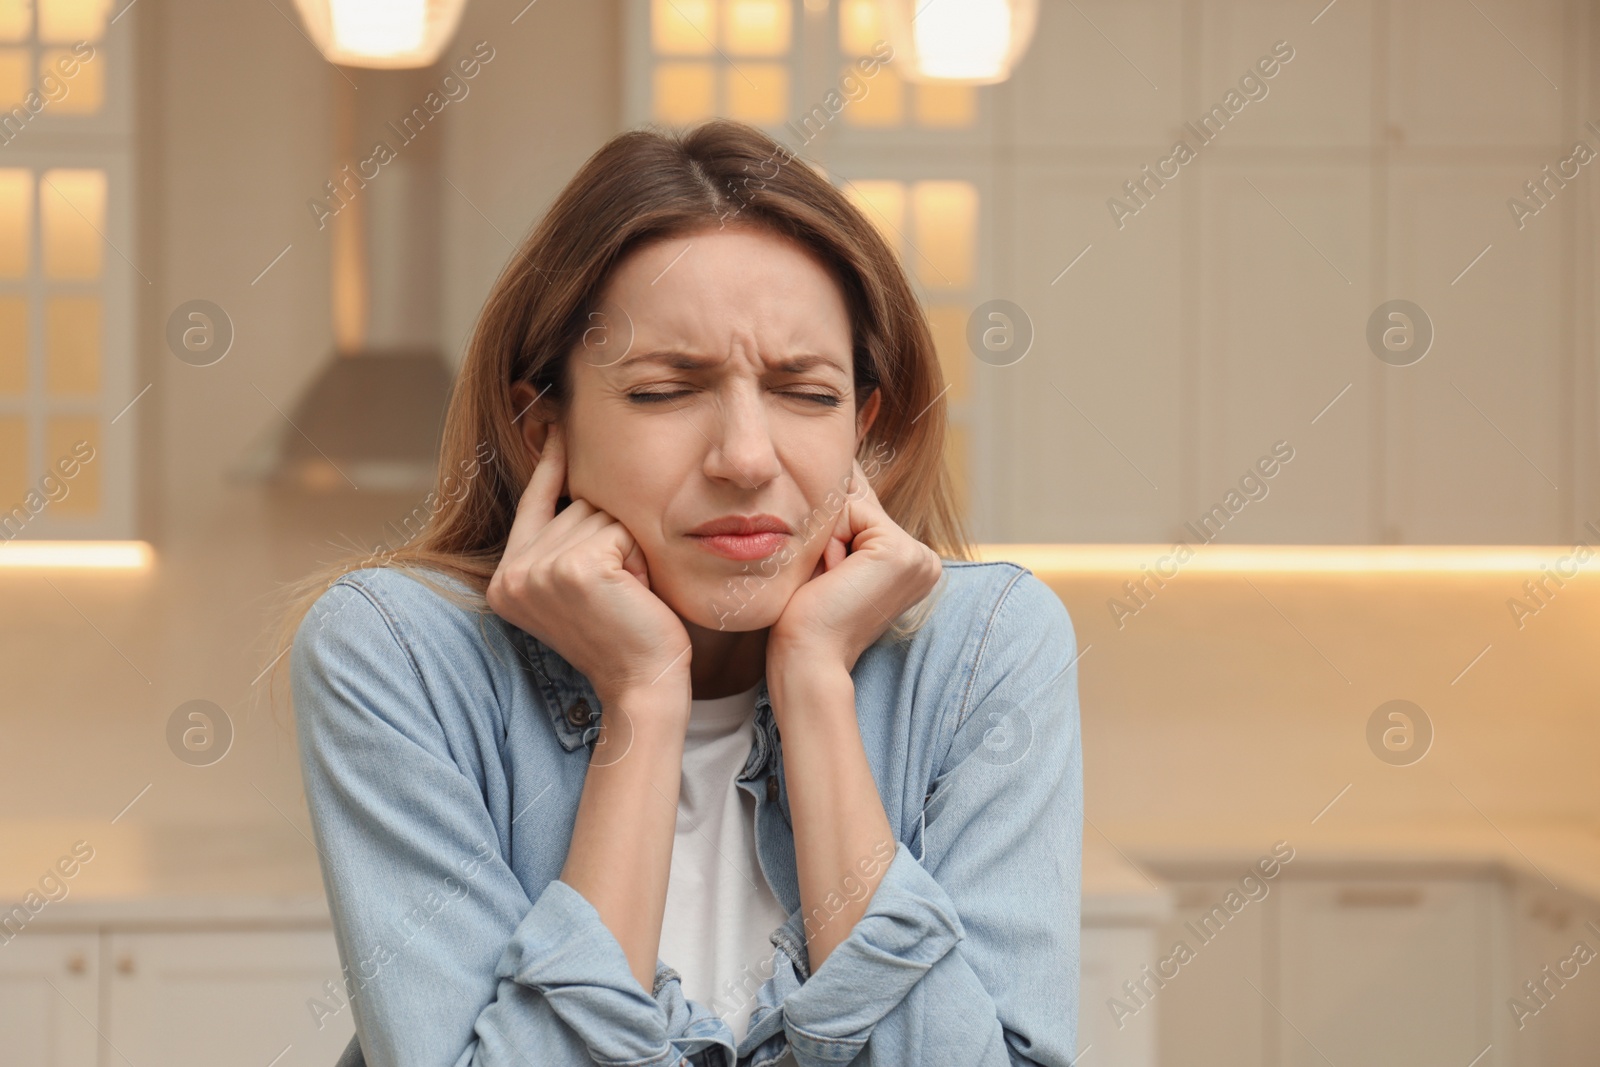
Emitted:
pixel 143 874
pixel 163 875
pixel 1115 891
pixel 210 875
pixel 1560 854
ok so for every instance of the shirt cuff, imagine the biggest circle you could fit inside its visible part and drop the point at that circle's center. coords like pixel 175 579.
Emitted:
pixel 563 949
pixel 910 925
pixel 692 1027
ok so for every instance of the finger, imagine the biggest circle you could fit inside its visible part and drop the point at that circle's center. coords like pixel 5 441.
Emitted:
pixel 537 505
pixel 842 534
pixel 869 494
pixel 618 540
pixel 862 509
pixel 835 553
pixel 634 563
pixel 580 521
pixel 861 486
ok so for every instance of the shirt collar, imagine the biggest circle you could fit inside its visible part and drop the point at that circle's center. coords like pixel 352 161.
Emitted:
pixel 575 710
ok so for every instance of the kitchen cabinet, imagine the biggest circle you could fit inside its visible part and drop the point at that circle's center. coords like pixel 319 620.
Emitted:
pixel 216 996
pixel 1560 1026
pixel 1230 309
pixel 224 997
pixel 1093 412
pixel 1390 972
pixel 1121 914
pixel 1283 299
pixel 49 999
pixel 1111 955
pixel 1212 1012
pixel 1468 423
pixel 1381 966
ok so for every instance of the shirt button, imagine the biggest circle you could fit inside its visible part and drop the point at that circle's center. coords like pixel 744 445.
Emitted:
pixel 579 714
pixel 772 787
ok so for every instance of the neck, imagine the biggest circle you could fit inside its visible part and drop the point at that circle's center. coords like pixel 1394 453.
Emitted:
pixel 724 663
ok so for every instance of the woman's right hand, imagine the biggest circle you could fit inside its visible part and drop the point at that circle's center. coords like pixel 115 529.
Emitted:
pixel 578 582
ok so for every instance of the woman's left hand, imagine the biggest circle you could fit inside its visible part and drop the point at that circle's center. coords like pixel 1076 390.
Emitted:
pixel 870 572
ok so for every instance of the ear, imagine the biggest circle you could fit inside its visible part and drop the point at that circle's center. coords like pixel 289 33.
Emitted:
pixel 867 414
pixel 529 417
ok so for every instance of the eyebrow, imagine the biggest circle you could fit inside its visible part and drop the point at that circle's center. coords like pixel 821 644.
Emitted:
pixel 688 361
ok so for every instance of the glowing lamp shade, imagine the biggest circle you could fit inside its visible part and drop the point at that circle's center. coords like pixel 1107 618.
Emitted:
pixel 386 34
pixel 971 42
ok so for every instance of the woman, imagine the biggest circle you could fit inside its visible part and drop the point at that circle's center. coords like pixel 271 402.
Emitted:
pixel 705 742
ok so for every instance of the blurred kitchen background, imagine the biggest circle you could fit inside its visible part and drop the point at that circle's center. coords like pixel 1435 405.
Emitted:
pixel 1301 420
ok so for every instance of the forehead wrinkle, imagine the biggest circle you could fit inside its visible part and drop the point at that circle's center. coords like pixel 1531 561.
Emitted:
pixel 674 339
pixel 691 358
pixel 693 299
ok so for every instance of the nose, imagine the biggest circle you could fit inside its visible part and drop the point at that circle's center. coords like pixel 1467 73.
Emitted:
pixel 739 440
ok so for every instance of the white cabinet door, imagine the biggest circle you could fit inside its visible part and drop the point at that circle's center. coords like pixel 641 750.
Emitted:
pixel 226 999
pixel 49 995
pixel 1475 444
pixel 1120 1031
pixel 1283 303
pixel 1210 1014
pixel 1390 973
pixel 1074 95
pixel 1087 425
pixel 1557 1022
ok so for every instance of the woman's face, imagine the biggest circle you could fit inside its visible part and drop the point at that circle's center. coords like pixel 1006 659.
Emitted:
pixel 718 383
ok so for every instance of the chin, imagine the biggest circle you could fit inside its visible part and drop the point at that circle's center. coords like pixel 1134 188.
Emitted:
pixel 732 621
pixel 735 602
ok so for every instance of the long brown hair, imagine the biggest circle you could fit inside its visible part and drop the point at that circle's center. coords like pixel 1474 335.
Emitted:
pixel 642 185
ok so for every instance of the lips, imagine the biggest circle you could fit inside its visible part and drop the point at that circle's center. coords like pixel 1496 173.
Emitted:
pixel 741 524
pixel 742 537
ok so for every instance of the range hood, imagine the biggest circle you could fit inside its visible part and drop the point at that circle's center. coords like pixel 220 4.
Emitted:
pixel 371 417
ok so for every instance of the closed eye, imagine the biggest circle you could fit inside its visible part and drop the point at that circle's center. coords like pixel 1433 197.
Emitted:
pixel 826 399
pixel 656 398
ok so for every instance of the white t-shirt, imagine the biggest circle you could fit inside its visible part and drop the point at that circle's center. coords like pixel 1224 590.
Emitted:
pixel 720 910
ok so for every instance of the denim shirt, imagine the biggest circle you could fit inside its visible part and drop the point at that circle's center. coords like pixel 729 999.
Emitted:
pixel 444 752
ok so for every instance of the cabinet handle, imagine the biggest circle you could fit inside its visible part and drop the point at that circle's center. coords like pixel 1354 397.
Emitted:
pixel 125 965
pixel 77 963
pixel 1549 914
pixel 1406 897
